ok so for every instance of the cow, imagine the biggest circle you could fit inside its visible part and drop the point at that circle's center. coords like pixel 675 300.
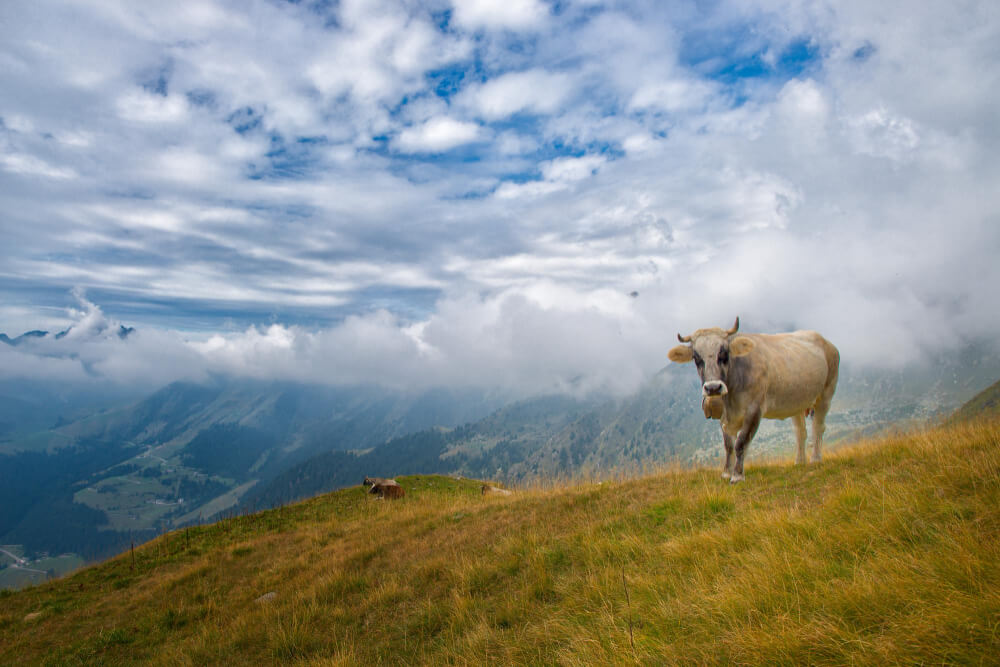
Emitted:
pixel 488 489
pixel 384 488
pixel 748 376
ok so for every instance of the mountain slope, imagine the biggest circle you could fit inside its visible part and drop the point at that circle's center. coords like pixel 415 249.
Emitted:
pixel 189 451
pixel 661 423
pixel 985 404
pixel 887 552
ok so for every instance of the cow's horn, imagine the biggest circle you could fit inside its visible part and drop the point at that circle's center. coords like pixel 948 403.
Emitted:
pixel 736 327
pixel 684 339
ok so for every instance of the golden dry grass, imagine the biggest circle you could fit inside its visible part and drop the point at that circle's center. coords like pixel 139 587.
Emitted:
pixel 888 552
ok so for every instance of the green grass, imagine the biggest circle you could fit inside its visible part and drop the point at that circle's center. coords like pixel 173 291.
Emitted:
pixel 985 404
pixel 127 501
pixel 37 572
pixel 885 553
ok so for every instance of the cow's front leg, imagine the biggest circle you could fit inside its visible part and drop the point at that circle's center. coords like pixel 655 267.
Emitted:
pixel 743 439
pixel 727 461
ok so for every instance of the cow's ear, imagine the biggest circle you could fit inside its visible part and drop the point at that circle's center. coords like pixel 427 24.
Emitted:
pixel 740 346
pixel 680 354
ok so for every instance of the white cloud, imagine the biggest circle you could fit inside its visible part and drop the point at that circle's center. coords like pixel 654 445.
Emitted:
pixel 494 14
pixel 636 144
pixel 567 169
pixel 380 52
pixel 30 165
pixel 77 139
pixel 557 175
pixel 803 99
pixel 143 107
pixel 297 167
pixel 523 340
pixel 512 143
pixel 187 165
pixel 19 123
pixel 532 91
pixel 880 134
pixel 20 363
pixel 530 189
pixel 438 134
pixel 675 95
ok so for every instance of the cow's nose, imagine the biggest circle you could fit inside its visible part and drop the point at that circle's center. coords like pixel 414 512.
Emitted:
pixel 713 388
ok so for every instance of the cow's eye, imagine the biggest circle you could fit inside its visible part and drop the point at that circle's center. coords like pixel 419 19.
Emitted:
pixel 698 361
pixel 723 357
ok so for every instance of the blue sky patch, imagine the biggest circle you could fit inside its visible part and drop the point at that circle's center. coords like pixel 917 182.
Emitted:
pixel 244 120
pixel 158 81
pixel 447 81
pixel 864 52
pixel 800 55
pixel 201 98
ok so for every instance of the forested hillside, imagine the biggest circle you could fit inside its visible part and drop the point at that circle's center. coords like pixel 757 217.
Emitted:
pixel 113 475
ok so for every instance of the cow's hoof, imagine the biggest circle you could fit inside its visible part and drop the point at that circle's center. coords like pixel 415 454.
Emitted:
pixel 725 475
pixel 736 479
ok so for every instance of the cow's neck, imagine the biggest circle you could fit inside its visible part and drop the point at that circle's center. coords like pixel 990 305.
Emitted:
pixel 738 377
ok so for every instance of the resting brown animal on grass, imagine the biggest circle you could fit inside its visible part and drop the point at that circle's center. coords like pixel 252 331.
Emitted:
pixel 384 488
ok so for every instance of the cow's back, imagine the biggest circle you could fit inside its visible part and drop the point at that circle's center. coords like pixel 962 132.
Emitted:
pixel 793 369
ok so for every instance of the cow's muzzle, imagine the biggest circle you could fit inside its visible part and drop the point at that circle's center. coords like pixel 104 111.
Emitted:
pixel 714 388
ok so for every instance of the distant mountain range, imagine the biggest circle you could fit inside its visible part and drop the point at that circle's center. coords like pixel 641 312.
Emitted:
pixel 88 471
pixel 123 333
pixel 4 338
pixel 661 424
pixel 188 451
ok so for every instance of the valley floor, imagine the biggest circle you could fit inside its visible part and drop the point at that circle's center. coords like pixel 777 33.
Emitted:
pixel 888 552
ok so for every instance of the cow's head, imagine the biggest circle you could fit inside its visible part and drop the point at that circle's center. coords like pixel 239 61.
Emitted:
pixel 711 350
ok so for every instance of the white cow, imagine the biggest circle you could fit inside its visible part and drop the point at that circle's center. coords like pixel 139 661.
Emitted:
pixel 762 375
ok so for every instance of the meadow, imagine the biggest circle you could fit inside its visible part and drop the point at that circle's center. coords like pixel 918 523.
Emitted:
pixel 886 552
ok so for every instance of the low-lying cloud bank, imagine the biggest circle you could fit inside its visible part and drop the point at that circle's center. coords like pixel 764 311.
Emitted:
pixel 535 339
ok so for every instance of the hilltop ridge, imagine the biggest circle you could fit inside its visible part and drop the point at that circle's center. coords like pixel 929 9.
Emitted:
pixel 887 551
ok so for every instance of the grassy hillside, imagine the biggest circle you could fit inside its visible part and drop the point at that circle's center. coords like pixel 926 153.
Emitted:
pixel 887 552
pixel 984 404
pixel 189 450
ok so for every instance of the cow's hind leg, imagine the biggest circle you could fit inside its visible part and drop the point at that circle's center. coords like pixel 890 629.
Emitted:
pixel 819 418
pixel 819 426
pixel 727 461
pixel 799 421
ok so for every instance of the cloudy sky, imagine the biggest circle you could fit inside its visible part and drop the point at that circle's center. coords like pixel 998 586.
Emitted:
pixel 529 193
